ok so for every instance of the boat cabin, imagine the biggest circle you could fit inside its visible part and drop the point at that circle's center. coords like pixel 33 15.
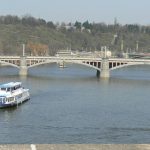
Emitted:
pixel 11 86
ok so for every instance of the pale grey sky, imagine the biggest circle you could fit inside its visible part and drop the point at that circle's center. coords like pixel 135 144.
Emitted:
pixel 126 11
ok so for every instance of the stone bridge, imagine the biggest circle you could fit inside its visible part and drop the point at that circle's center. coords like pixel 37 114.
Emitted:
pixel 103 66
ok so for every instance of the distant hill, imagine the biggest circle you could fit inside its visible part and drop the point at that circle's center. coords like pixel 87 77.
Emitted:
pixel 15 31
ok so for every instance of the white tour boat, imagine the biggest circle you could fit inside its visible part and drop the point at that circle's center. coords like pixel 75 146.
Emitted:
pixel 12 94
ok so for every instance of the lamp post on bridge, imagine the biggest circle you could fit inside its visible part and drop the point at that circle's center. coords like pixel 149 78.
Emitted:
pixel 23 50
pixel 23 64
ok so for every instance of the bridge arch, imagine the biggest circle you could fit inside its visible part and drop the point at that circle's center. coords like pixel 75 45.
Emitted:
pixel 128 64
pixel 85 64
pixel 74 62
pixel 41 63
pixel 9 64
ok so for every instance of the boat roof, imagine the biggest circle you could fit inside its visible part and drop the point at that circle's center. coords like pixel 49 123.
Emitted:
pixel 10 84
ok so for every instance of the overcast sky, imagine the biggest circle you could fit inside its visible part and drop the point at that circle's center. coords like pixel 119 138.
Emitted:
pixel 126 11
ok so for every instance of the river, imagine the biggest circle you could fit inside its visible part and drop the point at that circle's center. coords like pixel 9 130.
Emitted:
pixel 72 105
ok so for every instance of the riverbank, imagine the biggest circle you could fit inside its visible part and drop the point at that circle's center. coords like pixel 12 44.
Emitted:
pixel 75 147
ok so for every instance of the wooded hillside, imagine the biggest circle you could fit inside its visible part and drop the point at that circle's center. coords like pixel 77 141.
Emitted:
pixel 51 37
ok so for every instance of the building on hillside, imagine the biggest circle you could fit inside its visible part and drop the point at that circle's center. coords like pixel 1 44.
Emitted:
pixel 65 53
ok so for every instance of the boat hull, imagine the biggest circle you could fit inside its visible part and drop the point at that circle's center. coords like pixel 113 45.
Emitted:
pixel 14 104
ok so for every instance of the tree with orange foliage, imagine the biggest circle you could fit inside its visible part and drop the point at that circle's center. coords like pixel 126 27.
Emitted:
pixel 38 49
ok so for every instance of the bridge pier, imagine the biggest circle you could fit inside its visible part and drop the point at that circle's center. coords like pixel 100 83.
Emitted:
pixel 105 73
pixel 23 66
pixel 98 73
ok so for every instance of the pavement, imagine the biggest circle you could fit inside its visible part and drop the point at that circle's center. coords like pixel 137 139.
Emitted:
pixel 75 147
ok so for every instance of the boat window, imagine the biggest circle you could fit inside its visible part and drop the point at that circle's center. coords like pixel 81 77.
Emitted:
pixel 18 96
pixel 1 99
pixel 12 98
pixel 9 99
pixel 8 89
pixel 16 87
pixel 3 89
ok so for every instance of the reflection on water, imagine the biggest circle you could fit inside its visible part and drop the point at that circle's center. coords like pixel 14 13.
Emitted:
pixel 7 114
pixel 71 105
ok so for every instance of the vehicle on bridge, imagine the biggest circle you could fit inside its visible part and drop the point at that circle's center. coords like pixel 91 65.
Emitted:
pixel 13 94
